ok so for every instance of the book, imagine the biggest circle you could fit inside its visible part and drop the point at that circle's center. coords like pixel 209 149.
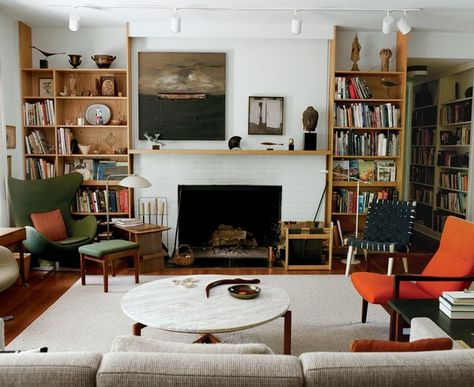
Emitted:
pixel 366 170
pixel 339 230
pixel 459 297
pixel 456 307
pixel 456 315
pixel 353 169
pixel 386 170
pixel 340 170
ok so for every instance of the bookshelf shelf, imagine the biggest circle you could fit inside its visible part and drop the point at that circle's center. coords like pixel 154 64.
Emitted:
pixel 451 211
pixel 423 184
pixel 455 123
pixel 68 95
pixel 377 123
pixel 452 189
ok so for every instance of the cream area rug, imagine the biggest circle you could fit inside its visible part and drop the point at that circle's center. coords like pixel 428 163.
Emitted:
pixel 326 317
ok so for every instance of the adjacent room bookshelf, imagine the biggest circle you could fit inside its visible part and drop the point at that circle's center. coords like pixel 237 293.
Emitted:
pixel 64 107
pixel 365 136
pixel 441 120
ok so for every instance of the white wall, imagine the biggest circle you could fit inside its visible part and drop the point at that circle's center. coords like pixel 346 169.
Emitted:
pixel 10 76
pixel 441 45
pixel 294 69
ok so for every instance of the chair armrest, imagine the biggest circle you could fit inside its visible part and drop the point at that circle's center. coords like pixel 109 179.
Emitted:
pixel 418 277
pixel 86 226
pixel 35 241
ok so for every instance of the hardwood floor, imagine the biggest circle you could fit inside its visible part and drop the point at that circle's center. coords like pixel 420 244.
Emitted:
pixel 27 304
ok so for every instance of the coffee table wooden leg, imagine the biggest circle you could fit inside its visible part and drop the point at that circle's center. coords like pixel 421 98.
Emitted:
pixel 137 329
pixel 287 333
pixel 398 327
pixel 207 339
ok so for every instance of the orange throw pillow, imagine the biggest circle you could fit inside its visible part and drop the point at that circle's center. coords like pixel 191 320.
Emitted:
pixel 50 224
pixel 438 344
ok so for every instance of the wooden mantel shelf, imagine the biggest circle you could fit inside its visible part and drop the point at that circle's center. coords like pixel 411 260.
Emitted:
pixel 228 152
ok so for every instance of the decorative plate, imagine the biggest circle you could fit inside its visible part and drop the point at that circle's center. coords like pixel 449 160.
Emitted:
pixel 98 114
pixel 244 292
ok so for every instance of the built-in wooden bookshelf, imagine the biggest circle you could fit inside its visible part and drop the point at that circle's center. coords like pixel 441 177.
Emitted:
pixel 64 107
pixel 441 136
pixel 365 136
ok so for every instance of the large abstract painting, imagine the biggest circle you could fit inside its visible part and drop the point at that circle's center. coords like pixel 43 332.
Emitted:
pixel 181 95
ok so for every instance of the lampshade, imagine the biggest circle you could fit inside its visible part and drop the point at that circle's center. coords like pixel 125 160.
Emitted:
pixel 175 22
pixel 296 23
pixel 387 23
pixel 403 25
pixel 74 20
pixel 134 181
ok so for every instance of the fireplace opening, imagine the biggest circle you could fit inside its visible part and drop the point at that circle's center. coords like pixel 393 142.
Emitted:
pixel 229 221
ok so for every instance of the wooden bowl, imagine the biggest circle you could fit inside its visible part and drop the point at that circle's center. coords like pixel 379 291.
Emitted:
pixel 244 292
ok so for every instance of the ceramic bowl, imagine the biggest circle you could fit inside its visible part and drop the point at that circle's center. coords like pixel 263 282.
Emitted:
pixel 103 61
pixel 115 122
pixel 84 149
pixel 244 292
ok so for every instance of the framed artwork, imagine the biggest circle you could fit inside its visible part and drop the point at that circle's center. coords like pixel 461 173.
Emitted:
pixel 108 86
pixel 45 87
pixel 181 95
pixel 11 137
pixel 265 115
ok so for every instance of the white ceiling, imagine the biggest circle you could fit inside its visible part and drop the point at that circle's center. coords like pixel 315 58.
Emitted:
pixel 438 15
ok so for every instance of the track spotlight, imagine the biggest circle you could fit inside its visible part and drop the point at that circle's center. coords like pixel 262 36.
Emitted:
pixel 175 22
pixel 296 24
pixel 387 23
pixel 403 25
pixel 74 20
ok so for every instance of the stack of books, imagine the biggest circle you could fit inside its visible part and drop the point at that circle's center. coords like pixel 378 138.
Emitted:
pixel 457 305
pixel 126 222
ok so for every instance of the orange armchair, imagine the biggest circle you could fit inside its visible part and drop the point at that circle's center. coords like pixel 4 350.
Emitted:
pixel 451 268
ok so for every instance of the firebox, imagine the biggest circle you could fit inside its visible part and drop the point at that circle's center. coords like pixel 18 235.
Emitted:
pixel 245 217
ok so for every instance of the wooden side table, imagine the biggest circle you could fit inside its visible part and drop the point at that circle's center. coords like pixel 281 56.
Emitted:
pixel 148 237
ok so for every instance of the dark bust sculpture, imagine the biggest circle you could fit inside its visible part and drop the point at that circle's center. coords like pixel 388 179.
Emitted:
pixel 310 119
pixel 234 142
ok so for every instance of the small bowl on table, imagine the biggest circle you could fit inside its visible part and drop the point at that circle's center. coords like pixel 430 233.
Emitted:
pixel 244 292
pixel 103 61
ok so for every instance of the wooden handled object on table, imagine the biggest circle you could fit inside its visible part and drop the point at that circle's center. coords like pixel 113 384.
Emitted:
pixel 229 281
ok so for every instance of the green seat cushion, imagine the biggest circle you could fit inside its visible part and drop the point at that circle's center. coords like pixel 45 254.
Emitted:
pixel 72 240
pixel 107 247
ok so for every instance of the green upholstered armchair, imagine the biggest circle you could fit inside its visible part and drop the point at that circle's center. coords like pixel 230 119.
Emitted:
pixel 38 196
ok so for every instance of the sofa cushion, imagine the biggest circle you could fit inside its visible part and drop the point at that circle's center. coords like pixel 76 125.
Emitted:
pixel 177 369
pixel 50 369
pixel 438 344
pixel 50 224
pixel 141 344
pixel 407 369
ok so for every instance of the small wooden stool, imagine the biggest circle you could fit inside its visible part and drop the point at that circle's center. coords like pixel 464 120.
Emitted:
pixel 105 252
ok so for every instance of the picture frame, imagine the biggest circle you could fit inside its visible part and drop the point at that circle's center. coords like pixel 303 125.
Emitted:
pixel 108 86
pixel 45 87
pixel 11 137
pixel 265 115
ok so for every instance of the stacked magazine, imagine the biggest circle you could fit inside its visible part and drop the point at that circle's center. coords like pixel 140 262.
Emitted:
pixel 126 222
pixel 457 305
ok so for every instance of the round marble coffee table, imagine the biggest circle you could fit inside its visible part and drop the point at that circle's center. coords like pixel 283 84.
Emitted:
pixel 162 304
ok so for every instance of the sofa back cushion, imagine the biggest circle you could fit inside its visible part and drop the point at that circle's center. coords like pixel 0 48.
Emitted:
pixel 176 369
pixel 49 369
pixel 390 369
pixel 432 344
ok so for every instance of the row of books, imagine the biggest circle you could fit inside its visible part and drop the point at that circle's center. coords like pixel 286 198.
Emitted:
pixel 346 201
pixel 461 136
pixel 457 304
pixel 451 201
pixel 36 143
pixel 92 169
pixel 425 117
pixel 366 144
pixel 421 195
pixel 423 156
pixel 422 174
pixel 453 159
pixel 93 200
pixel 36 169
pixel 454 180
pixel 65 136
pixel 422 137
pixel 352 87
pixel 365 170
pixel 39 113
pixel 459 112
pixel 362 115
pixel 439 220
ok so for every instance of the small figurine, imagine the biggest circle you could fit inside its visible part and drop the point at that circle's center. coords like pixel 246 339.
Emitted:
pixel 234 142
pixel 99 120
pixel 44 62
pixel 155 139
pixel 385 55
pixel 291 144
pixel 355 53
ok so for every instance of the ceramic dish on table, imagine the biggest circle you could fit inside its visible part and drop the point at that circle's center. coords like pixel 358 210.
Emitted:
pixel 244 292
pixel 97 109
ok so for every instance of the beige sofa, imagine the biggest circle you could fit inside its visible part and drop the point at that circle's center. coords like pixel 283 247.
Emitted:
pixel 439 368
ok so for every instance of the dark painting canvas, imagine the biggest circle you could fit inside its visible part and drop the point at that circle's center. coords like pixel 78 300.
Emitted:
pixel 182 95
